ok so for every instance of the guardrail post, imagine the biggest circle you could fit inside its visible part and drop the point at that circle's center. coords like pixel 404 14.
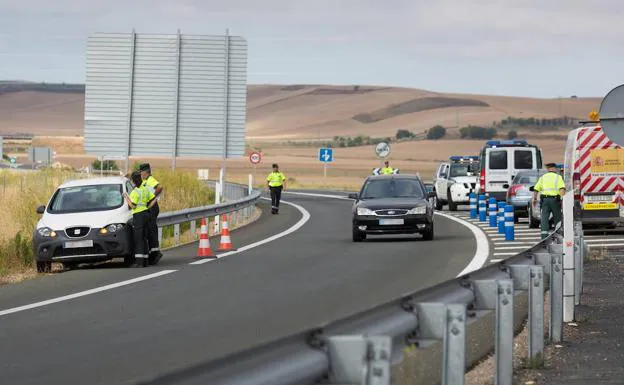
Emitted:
pixel 446 323
pixel 498 295
pixel 473 206
pixel 359 360
pixel 509 223
pixel 176 233
pixel 501 218
pixel 160 235
pixel 482 208
pixel 493 212
pixel 578 261
pixel 531 279
pixel 194 228
pixel 556 292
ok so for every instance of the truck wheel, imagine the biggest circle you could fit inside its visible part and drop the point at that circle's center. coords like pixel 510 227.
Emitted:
pixel 44 266
pixel 452 205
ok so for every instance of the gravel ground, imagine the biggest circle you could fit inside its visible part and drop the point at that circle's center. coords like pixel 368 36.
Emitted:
pixel 592 351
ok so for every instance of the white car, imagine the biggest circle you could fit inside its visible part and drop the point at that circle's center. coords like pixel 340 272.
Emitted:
pixel 454 181
pixel 85 221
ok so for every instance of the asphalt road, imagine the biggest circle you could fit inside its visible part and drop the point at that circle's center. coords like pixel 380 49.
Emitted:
pixel 144 330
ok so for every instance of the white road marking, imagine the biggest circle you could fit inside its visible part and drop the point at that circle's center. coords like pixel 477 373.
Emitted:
pixel 495 254
pixel 495 260
pixel 606 245
pixel 305 217
pixel 318 195
pixel 84 293
pixel 604 240
pixel 512 248
pixel 513 243
pixel 483 248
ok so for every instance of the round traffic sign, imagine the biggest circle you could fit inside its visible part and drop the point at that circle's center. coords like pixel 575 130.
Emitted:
pixel 382 149
pixel 255 157
pixel 611 115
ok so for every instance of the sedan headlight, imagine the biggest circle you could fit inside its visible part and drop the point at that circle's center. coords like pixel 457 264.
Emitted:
pixel 113 228
pixel 46 232
pixel 365 211
pixel 418 210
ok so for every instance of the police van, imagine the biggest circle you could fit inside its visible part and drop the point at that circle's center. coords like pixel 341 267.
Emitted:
pixel 455 180
pixel 501 160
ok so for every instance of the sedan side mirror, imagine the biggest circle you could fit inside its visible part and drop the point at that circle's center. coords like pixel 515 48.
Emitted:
pixel 506 185
pixel 353 196
pixel 532 188
pixel 40 209
pixel 431 194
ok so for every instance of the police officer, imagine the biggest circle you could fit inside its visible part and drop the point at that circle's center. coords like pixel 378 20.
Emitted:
pixel 152 227
pixel 552 188
pixel 387 170
pixel 140 200
pixel 276 183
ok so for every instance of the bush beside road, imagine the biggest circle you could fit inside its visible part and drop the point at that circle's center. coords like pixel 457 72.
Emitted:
pixel 21 193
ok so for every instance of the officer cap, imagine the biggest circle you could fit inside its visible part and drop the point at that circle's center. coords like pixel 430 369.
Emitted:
pixel 549 165
pixel 144 167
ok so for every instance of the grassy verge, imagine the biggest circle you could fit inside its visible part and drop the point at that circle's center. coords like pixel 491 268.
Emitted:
pixel 22 192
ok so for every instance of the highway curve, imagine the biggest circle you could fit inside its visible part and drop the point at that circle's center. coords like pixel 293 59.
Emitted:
pixel 147 329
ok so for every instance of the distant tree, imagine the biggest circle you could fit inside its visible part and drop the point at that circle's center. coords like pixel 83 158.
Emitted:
pixel 404 134
pixel 512 134
pixel 436 132
pixel 108 165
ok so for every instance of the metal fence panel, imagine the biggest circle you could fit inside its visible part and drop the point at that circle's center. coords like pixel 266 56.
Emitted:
pixel 166 95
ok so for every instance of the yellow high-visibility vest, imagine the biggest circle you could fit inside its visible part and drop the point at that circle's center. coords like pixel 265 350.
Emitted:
pixel 276 179
pixel 549 184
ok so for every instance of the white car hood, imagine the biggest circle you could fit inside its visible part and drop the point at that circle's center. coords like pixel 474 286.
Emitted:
pixel 465 179
pixel 92 219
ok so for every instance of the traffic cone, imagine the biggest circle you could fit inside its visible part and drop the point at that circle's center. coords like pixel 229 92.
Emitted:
pixel 204 250
pixel 226 242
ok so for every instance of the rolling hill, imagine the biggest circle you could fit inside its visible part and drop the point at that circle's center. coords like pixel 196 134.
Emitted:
pixel 301 112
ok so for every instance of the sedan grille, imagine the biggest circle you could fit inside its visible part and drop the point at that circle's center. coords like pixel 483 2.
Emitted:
pixel 77 232
pixel 391 212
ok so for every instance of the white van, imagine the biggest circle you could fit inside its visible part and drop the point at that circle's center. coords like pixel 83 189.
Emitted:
pixel 501 160
pixel 85 221
pixel 594 171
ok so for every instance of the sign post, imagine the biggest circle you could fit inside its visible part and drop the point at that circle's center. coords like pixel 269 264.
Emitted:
pixel 326 155
pixel 255 158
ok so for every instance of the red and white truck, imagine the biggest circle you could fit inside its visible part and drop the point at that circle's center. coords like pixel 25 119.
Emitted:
pixel 595 167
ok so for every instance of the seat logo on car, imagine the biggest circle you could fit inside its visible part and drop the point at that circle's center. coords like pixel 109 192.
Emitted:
pixel 77 232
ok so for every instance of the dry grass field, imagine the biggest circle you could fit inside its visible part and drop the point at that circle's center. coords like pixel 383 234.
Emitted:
pixel 279 113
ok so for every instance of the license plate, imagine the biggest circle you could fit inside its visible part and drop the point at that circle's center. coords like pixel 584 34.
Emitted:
pixel 600 206
pixel 391 221
pixel 77 244
pixel 598 198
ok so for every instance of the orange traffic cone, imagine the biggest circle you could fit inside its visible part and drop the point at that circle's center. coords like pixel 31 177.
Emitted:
pixel 226 242
pixel 204 250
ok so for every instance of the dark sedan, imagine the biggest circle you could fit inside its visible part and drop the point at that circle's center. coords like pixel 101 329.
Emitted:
pixel 392 204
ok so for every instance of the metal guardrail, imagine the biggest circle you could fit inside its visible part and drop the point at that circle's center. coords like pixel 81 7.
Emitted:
pixel 431 328
pixel 242 201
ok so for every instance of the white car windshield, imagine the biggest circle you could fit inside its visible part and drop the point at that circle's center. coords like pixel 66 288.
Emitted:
pixel 460 170
pixel 86 198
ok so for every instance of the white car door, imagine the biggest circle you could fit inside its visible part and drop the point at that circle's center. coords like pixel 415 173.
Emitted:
pixel 442 181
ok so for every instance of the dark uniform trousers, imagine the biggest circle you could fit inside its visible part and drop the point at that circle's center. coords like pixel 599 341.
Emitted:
pixel 550 204
pixel 152 227
pixel 140 224
pixel 276 196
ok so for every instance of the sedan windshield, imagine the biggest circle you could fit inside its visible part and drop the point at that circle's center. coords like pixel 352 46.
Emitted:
pixel 86 198
pixel 396 188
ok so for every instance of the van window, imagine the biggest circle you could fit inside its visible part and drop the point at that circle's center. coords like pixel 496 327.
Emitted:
pixel 498 160
pixel 523 160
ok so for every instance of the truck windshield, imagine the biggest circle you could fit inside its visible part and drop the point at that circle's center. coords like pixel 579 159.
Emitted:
pixel 86 198
pixel 397 188
pixel 461 170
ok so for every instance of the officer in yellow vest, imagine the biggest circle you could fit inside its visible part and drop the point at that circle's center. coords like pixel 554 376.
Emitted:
pixel 387 170
pixel 140 200
pixel 276 183
pixel 152 227
pixel 552 188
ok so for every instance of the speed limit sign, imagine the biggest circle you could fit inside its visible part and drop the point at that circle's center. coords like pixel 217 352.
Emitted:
pixel 255 157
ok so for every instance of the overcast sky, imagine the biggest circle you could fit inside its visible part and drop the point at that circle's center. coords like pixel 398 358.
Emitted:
pixel 543 48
